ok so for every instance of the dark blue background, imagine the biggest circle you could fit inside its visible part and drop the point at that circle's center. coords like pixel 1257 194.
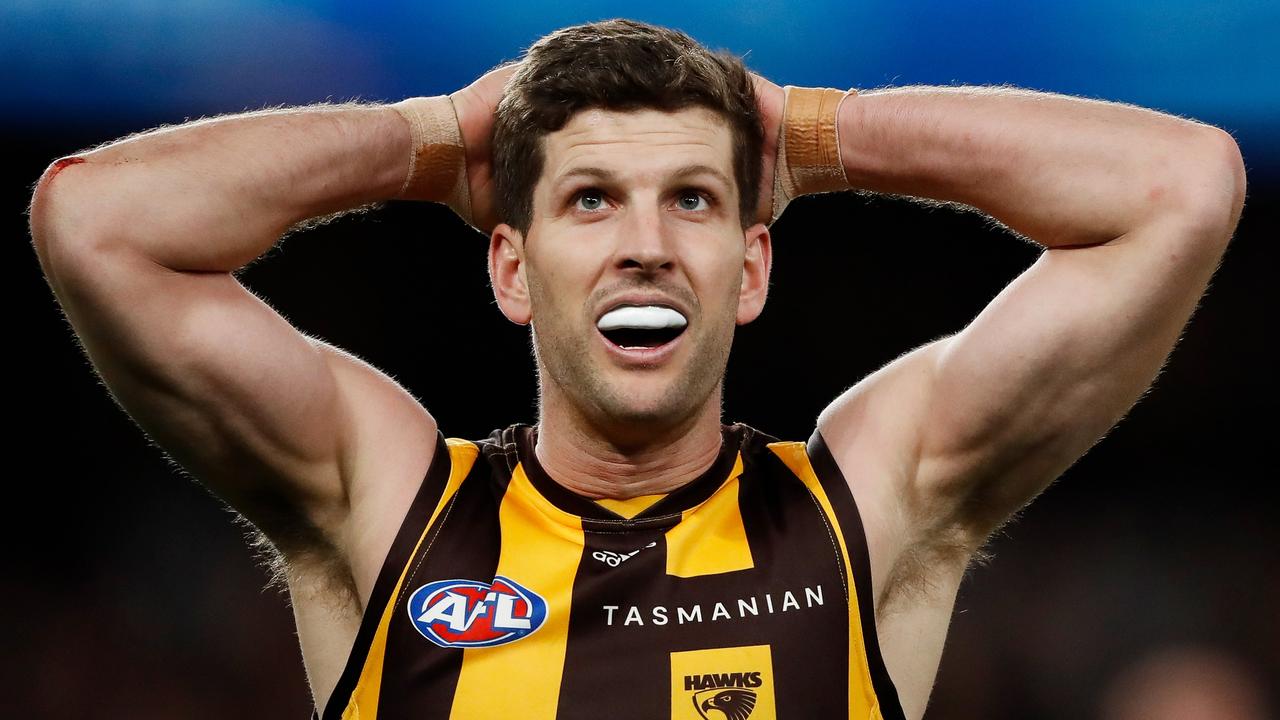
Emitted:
pixel 134 63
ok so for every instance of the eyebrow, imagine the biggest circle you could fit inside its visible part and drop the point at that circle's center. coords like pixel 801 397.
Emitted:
pixel 610 176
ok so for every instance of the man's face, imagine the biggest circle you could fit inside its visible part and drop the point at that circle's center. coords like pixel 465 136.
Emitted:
pixel 635 209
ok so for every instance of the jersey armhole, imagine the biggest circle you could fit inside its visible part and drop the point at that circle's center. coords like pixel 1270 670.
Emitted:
pixel 411 526
pixel 846 509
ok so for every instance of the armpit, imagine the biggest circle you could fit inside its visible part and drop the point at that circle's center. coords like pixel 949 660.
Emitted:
pixel 926 570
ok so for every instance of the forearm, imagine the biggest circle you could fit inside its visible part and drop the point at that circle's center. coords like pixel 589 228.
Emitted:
pixel 214 194
pixel 1060 170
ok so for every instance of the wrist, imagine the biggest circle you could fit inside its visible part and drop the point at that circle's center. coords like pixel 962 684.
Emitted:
pixel 809 158
pixel 436 169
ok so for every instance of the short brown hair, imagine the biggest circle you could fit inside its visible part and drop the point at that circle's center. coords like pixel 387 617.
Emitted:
pixel 617 65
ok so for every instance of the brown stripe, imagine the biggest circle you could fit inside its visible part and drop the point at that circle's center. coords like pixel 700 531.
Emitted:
pixel 419 677
pixel 810 648
pixel 428 495
pixel 846 510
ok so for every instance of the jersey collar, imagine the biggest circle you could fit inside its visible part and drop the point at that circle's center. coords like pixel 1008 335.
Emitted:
pixel 664 512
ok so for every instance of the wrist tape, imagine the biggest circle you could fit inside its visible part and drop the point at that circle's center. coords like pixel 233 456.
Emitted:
pixel 808 145
pixel 437 157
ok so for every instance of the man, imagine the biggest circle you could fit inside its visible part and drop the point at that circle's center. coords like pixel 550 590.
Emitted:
pixel 630 555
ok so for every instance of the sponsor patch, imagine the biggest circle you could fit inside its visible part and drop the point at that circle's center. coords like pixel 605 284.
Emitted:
pixel 733 683
pixel 471 613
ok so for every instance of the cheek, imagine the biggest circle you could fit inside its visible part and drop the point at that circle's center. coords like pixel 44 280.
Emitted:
pixel 565 257
pixel 556 294
pixel 723 276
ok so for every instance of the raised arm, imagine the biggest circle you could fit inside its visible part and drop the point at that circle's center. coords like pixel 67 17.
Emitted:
pixel 1135 209
pixel 139 240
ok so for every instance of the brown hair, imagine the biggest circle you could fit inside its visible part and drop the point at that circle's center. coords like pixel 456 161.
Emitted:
pixel 617 65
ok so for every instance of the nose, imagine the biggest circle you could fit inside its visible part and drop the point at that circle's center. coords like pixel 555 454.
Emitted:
pixel 645 241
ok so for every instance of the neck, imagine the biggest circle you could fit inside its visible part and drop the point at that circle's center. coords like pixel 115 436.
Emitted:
pixel 598 463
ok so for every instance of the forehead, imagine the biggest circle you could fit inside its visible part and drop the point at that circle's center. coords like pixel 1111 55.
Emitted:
pixel 639 142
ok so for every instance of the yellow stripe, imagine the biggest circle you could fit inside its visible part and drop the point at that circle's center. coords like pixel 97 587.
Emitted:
pixel 862 694
pixel 364 699
pixel 710 538
pixel 541 547
pixel 630 507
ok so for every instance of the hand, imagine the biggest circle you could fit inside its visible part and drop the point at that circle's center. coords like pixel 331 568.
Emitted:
pixel 769 100
pixel 475 105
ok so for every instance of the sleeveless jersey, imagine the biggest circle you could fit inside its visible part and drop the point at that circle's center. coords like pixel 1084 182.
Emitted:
pixel 742 595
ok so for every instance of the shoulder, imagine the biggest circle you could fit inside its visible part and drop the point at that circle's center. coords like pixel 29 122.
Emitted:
pixel 413 475
pixel 857 492
pixel 803 457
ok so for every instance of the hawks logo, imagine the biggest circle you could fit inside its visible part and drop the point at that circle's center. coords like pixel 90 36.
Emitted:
pixel 724 695
pixel 470 613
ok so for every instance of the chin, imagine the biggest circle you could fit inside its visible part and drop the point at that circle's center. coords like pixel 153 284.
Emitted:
pixel 623 406
pixel 643 401
pixel 657 396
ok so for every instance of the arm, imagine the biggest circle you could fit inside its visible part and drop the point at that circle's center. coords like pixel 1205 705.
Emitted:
pixel 139 241
pixel 1135 209
pixel 943 444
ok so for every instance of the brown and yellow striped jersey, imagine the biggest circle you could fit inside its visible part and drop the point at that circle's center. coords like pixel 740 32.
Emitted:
pixel 744 594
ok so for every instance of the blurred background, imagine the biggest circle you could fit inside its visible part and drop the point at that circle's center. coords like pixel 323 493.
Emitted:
pixel 1143 584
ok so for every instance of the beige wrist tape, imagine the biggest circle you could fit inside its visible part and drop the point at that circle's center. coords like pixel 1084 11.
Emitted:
pixel 437 157
pixel 808 145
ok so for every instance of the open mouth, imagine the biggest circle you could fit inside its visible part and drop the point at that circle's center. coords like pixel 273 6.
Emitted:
pixel 634 338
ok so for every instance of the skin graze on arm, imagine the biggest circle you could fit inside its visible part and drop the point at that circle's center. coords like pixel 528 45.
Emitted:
pixel 56 168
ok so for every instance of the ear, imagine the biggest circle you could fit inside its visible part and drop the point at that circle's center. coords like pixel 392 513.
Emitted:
pixel 757 261
pixel 507 273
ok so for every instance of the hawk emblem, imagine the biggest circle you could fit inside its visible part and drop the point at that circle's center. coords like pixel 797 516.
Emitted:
pixel 725 703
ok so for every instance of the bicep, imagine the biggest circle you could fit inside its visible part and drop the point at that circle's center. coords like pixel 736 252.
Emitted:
pixel 227 387
pixel 961 432
pixel 1050 365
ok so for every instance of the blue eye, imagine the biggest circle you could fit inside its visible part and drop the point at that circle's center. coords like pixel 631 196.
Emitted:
pixel 590 200
pixel 695 197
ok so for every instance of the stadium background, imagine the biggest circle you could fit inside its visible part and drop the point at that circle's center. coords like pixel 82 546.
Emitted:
pixel 130 593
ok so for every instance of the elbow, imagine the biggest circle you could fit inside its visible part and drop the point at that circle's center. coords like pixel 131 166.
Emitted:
pixel 65 210
pixel 1239 182
pixel 40 211
pixel 45 215
pixel 1216 185
pixel 65 220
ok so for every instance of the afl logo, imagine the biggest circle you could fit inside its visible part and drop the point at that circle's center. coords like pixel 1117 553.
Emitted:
pixel 470 613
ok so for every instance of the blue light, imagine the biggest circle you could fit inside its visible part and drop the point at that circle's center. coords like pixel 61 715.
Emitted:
pixel 145 62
